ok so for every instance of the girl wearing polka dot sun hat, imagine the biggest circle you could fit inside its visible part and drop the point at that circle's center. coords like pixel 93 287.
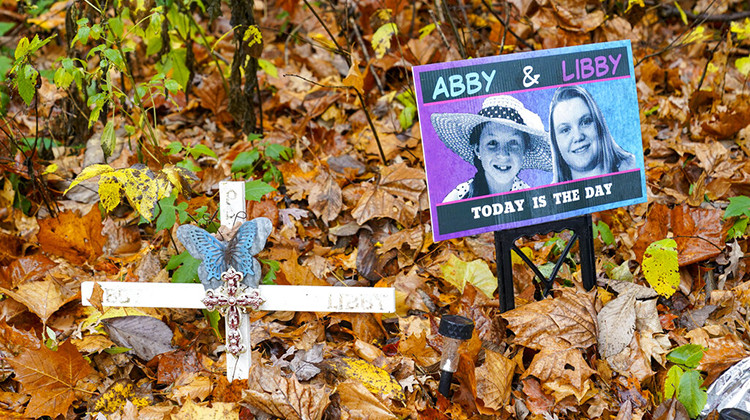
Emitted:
pixel 500 140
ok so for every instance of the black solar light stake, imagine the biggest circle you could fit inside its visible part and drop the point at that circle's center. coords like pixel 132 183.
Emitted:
pixel 454 329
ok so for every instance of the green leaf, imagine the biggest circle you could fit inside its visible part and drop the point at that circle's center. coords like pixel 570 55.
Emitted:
pixel 738 229
pixel 180 72
pixel 268 67
pixel 690 393
pixel 273 268
pixel 245 161
pixel 201 149
pixel 673 381
pixel 213 318
pixel 5 27
pixel 172 85
pixel 108 139
pixel 255 190
pixel 63 78
pixel 166 217
pixel 603 229
pixel 406 117
pixel 689 355
pixel 279 152
pixel 116 25
pixel 21 48
pixel 188 271
pixel 117 350
pixel 660 267
pixel 738 206
pixel 26 83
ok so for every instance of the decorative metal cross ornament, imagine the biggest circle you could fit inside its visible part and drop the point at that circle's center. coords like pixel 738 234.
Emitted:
pixel 231 299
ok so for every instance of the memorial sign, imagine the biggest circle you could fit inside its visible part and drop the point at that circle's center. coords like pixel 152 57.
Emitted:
pixel 530 137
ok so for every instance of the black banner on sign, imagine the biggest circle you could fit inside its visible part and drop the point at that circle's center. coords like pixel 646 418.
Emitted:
pixel 537 203
pixel 537 72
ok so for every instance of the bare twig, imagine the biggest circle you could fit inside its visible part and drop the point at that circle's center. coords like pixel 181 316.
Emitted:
pixel 341 51
pixel 363 46
pixel 505 25
pixel 440 31
pixel 454 29
pixel 669 10
pixel 362 105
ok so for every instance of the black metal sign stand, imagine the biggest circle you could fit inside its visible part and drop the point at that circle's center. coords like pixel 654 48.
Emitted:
pixel 505 243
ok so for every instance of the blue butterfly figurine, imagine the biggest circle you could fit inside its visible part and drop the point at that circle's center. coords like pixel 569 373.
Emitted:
pixel 217 256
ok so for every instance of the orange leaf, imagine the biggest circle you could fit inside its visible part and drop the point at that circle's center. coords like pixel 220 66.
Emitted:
pixel 50 377
pixel 494 380
pixel 42 297
pixel 72 237
pixel 355 78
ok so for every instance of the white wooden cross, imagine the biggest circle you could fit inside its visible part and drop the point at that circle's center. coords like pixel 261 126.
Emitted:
pixel 274 298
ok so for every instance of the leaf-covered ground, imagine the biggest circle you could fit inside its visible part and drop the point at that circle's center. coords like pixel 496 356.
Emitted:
pixel 349 208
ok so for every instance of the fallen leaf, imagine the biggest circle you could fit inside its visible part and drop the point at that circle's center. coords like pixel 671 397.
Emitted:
pixel 13 341
pixel 415 347
pixel 24 269
pixel 560 323
pixel 477 272
pixel 562 372
pixel 722 353
pixel 218 411
pixel 284 397
pixel 660 267
pixel 50 377
pixel 375 379
pixel 616 324
pixel 96 297
pixel 43 297
pixel 190 386
pixel 537 401
pixel 494 380
pixel 145 335
pixel 71 236
pixel 671 409
pixel 359 402
pixel 325 197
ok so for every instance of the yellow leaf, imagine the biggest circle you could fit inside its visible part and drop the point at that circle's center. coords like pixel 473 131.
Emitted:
pixel 477 272
pixel 381 39
pixel 375 379
pixel 660 267
pixel 51 169
pixel 117 395
pixel 252 36
pixel 516 259
pixel 683 16
pixel 741 29
pixel 743 65
pixel 632 3
pixel 109 192
pixel 697 34
pixel 142 189
pixel 89 172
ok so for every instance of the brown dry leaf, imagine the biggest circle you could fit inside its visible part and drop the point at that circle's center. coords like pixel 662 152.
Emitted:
pixel 632 361
pixel 415 347
pixel 283 397
pixel 79 239
pixel 93 343
pixel 722 353
pixel 24 269
pixel 724 125
pixel 96 297
pixel 358 402
pixel 217 411
pixel 42 297
pixel 537 401
pixel 50 377
pixel 14 341
pixel 671 409
pixel 376 202
pixel 699 233
pixel 299 275
pixel 559 323
pixel 494 380
pixel 562 372
pixel 402 181
pixel 325 197
pixel 411 238
pixel 190 386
